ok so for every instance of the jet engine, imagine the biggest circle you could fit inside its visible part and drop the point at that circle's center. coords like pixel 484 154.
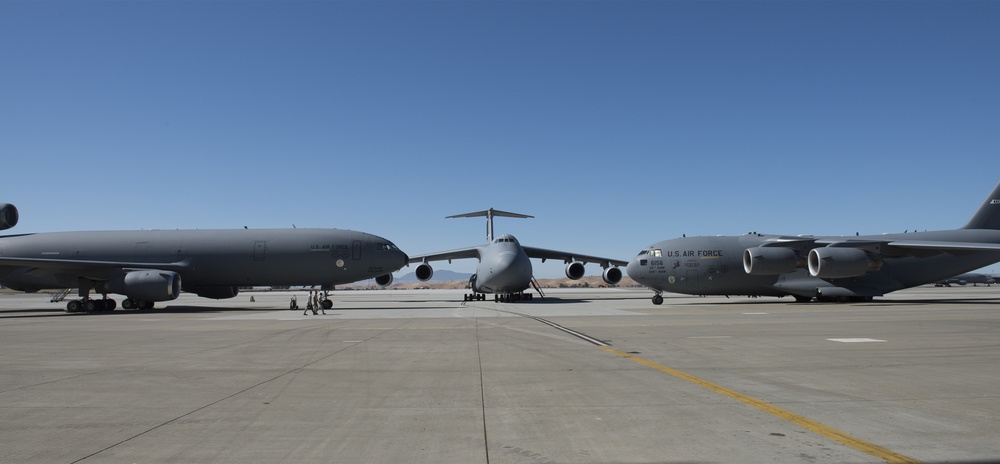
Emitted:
pixel 575 270
pixel 384 280
pixel 147 285
pixel 215 292
pixel 424 272
pixel 8 216
pixel 612 275
pixel 771 260
pixel 839 263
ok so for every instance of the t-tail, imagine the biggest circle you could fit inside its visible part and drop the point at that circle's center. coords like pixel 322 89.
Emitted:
pixel 490 214
pixel 988 215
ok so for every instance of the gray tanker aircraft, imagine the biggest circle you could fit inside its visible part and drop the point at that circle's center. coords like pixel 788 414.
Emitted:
pixel 825 268
pixel 504 265
pixel 148 266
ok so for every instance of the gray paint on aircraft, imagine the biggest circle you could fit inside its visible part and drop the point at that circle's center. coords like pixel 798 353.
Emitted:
pixel 840 268
pixel 505 266
pixel 203 261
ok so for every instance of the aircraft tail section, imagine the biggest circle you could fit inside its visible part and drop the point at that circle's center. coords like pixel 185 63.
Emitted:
pixel 490 214
pixel 988 215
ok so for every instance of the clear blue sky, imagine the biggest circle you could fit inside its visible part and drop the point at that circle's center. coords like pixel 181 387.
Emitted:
pixel 616 124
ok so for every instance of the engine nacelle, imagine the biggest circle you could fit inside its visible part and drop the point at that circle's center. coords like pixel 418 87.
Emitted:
pixel 424 272
pixel 612 275
pixel 771 260
pixel 575 270
pixel 384 280
pixel 147 285
pixel 839 263
pixel 215 292
pixel 8 216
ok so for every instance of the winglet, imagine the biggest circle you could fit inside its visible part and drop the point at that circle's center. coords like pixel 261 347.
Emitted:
pixel 988 215
pixel 490 214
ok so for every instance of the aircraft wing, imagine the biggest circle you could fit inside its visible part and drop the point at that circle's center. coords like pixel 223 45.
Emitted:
pixel 944 246
pixel 77 266
pixel 461 253
pixel 567 257
pixel 913 247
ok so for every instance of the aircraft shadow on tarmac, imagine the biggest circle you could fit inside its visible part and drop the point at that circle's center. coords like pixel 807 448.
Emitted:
pixel 59 312
pixel 953 301
pixel 876 303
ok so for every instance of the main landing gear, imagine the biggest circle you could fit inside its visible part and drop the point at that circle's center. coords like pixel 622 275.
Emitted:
pixel 499 297
pixel 474 297
pixel 90 305
pixel 86 304
pixel 512 297
pixel 129 303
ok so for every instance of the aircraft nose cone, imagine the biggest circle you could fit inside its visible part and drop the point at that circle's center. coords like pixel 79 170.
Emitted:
pixel 505 260
pixel 634 270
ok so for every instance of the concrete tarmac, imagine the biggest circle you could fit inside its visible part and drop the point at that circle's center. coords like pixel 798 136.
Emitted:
pixel 583 376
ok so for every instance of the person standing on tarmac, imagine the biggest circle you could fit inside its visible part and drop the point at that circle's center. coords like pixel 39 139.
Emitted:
pixel 317 305
pixel 309 304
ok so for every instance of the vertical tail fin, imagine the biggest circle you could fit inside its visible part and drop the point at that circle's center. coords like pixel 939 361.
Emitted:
pixel 988 215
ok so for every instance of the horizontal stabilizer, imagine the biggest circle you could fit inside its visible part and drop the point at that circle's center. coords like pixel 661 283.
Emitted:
pixel 490 212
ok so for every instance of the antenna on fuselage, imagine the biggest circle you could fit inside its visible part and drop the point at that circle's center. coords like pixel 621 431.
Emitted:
pixel 490 214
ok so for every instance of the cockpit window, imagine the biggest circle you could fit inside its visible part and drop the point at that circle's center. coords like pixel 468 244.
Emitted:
pixel 656 252
pixel 384 246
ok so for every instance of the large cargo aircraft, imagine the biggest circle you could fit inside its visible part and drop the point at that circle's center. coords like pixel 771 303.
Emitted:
pixel 852 268
pixel 148 266
pixel 504 266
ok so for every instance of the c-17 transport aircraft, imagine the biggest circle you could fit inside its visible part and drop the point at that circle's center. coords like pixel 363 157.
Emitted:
pixel 839 269
pixel 504 265
pixel 148 266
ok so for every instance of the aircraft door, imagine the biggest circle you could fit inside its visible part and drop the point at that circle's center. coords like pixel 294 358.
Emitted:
pixel 692 279
pixel 356 250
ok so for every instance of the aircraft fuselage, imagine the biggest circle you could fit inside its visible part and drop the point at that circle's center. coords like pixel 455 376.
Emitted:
pixel 504 267
pixel 715 266
pixel 237 257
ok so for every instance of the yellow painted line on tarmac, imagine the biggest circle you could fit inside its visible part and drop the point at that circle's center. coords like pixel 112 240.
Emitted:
pixel 809 424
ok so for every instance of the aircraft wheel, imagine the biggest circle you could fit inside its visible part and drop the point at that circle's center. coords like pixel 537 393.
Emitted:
pixel 658 300
pixel 128 303
pixel 73 306
pixel 327 304
pixel 144 305
pixel 92 306
pixel 803 299
pixel 110 305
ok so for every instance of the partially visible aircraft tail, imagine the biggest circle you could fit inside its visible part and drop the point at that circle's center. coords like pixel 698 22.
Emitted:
pixel 490 214
pixel 988 215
